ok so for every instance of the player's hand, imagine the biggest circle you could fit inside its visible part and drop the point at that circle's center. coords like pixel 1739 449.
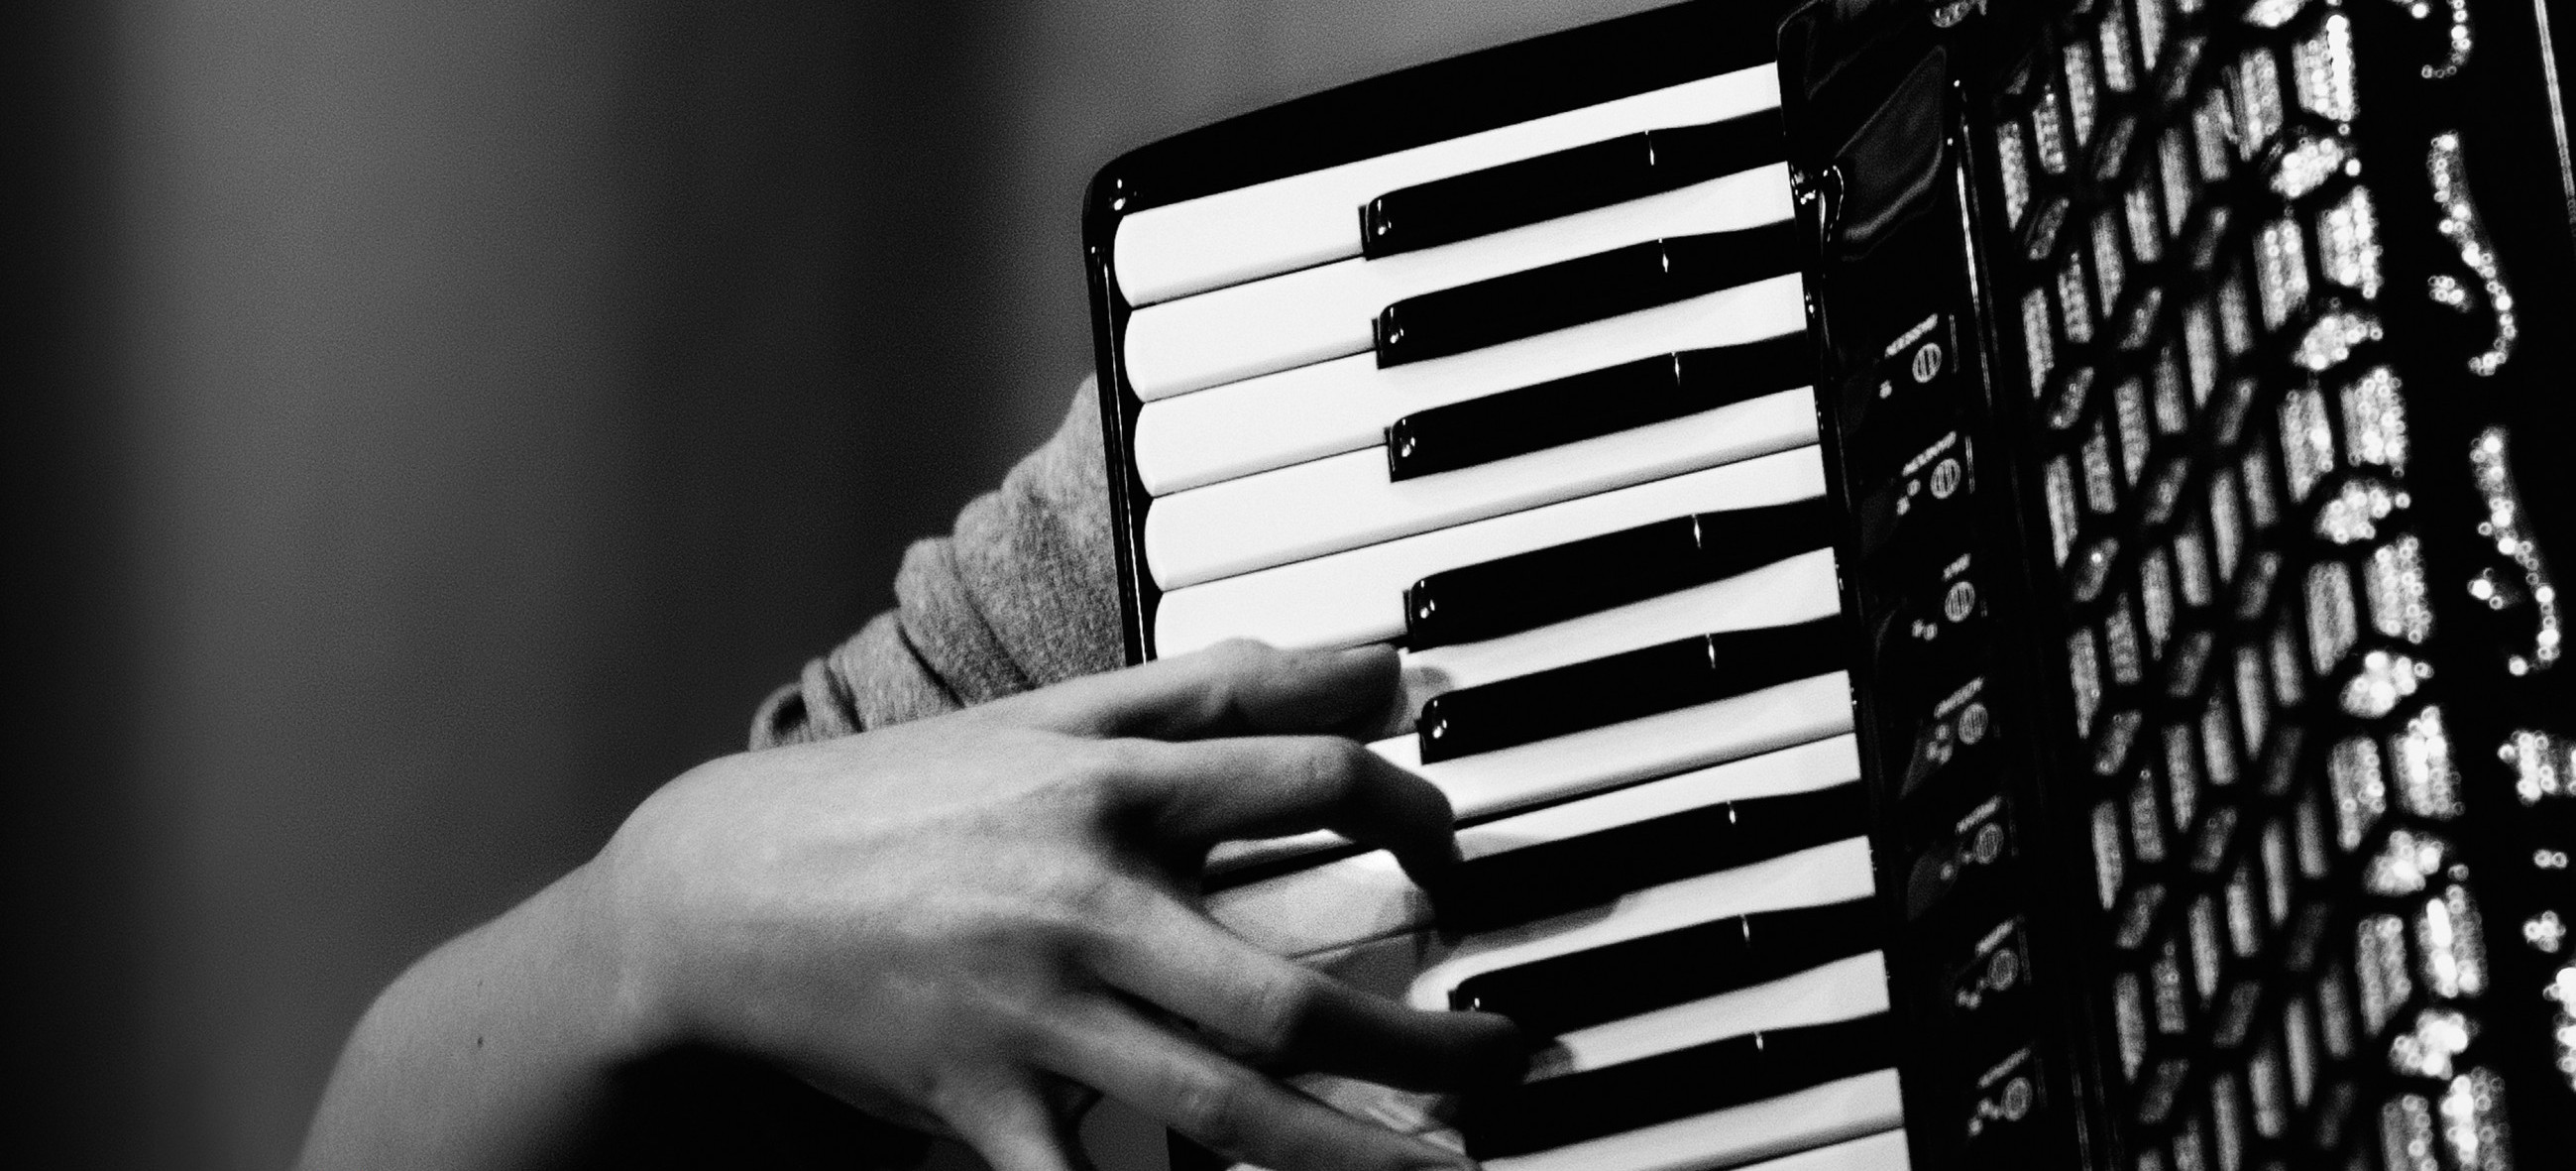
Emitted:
pixel 970 922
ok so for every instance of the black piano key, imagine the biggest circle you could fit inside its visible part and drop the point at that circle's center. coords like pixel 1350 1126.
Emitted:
pixel 1560 994
pixel 1624 687
pixel 1596 402
pixel 1587 288
pixel 1560 1111
pixel 1534 882
pixel 1533 589
pixel 1598 174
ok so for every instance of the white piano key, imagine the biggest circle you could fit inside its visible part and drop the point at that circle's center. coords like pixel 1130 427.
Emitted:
pixel 1425 964
pixel 1341 902
pixel 1884 1151
pixel 1367 896
pixel 1488 783
pixel 1797 589
pixel 1854 986
pixel 1307 219
pixel 1811 877
pixel 1492 783
pixel 1753 1137
pixel 1803 768
pixel 1842 990
pixel 1325 312
pixel 1346 501
pixel 1346 404
pixel 1358 596
pixel 1807 1118
pixel 1683 1145
pixel 1837 1112
pixel 1815 1115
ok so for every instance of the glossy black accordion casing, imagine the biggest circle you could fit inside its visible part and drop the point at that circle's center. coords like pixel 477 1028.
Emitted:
pixel 2189 376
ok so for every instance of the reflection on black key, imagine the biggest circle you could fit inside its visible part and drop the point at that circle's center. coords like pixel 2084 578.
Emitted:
pixel 1587 288
pixel 1560 994
pixel 1534 882
pixel 1625 687
pixel 1559 1111
pixel 1598 174
pixel 1533 589
pixel 1596 402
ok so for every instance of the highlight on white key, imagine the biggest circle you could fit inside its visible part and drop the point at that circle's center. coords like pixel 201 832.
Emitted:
pixel 1811 877
pixel 1313 314
pixel 1346 404
pixel 1855 986
pixel 1357 596
pixel 1838 1113
pixel 1799 589
pixel 1346 501
pixel 1307 219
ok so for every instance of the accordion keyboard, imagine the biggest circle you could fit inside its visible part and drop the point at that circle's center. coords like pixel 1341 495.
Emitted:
pixel 1541 415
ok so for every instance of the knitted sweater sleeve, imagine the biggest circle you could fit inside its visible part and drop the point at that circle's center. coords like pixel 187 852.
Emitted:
pixel 1021 594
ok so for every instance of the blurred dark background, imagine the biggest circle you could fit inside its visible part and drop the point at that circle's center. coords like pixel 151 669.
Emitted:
pixel 433 424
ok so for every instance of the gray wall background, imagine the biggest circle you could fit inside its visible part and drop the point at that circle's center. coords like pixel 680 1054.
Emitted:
pixel 437 423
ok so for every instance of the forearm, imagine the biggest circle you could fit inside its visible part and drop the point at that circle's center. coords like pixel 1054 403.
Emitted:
pixel 498 1050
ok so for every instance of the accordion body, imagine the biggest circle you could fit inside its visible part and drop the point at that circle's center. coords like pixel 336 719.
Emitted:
pixel 1978 574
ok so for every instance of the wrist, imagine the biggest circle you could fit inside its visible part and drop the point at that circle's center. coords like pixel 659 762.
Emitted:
pixel 505 1042
pixel 613 986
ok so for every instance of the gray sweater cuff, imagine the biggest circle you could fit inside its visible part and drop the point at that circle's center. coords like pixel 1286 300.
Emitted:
pixel 1022 594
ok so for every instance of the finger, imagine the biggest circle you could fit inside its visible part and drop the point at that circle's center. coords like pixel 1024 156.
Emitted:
pixel 1284 1016
pixel 1222 1105
pixel 1231 689
pixel 1208 791
pixel 1014 1129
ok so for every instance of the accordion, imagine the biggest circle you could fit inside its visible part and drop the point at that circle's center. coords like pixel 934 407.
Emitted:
pixel 1977 573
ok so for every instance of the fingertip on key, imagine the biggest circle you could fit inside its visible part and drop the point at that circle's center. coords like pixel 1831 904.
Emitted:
pixel 1368 656
pixel 1380 700
pixel 1501 1055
